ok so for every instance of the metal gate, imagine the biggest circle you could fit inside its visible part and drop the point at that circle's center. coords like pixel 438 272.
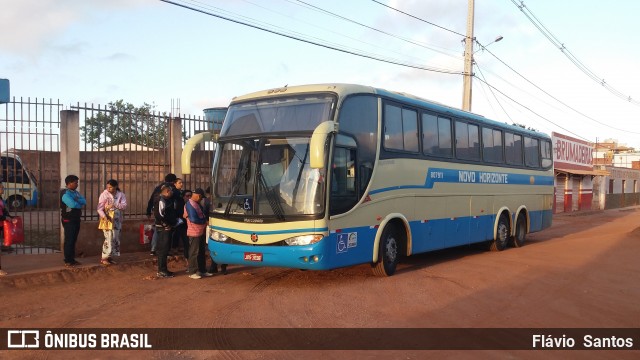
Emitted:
pixel 139 160
pixel 561 183
pixel 30 132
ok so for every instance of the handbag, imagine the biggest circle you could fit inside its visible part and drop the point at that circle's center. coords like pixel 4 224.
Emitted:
pixel 13 231
pixel 106 223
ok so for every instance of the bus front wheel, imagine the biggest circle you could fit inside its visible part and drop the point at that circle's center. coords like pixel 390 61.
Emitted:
pixel 521 231
pixel 15 203
pixel 502 234
pixel 388 252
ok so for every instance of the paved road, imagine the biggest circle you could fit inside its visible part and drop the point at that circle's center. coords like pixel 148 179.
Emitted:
pixel 583 272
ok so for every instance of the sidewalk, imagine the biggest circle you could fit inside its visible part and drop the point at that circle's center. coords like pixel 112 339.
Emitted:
pixel 36 268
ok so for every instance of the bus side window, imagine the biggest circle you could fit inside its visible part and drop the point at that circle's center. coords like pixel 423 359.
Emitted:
pixel 513 148
pixel 13 172
pixel 436 135
pixel 531 152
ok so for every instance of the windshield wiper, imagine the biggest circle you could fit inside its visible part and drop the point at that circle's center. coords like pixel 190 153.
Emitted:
pixel 302 163
pixel 236 187
pixel 272 198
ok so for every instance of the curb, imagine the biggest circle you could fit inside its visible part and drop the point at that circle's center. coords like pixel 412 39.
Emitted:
pixel 80 273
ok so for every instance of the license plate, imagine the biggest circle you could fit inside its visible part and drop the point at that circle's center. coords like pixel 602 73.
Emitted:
pixel 252 256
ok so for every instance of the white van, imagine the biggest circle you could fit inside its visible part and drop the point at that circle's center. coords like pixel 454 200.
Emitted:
pixel 20 187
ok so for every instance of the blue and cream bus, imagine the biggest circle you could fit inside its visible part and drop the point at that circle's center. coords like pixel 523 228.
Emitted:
pixel 327 176
pixel 20 187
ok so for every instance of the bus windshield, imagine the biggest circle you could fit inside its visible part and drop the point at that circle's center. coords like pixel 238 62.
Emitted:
pixel 276 115
pixel 267 178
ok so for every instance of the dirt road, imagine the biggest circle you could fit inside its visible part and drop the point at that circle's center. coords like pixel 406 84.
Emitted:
pixel 581 273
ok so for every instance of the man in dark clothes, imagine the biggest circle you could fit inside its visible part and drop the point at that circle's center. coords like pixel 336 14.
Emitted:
pixel 169 178
pixel 71 203
pixel 166 220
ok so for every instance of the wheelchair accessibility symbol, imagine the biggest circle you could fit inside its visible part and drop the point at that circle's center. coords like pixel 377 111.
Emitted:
pixel 341 245
pixel 247 204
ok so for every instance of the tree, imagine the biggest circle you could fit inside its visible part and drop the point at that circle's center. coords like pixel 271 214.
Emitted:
pixel 122 123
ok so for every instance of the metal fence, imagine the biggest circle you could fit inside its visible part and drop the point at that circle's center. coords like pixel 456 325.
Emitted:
pixel 30 128
pixel 133 147
pixel 202 157
pixel 117 141
pixel 128 146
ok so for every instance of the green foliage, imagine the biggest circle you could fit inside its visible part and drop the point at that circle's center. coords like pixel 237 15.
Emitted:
pixel 124 123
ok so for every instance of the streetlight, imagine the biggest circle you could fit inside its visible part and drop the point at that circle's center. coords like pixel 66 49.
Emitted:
pixel 482 47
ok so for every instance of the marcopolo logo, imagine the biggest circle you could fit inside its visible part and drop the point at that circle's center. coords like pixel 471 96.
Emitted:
pixel 23 339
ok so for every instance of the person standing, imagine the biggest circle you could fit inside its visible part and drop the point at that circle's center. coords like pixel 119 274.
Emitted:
pixel 180 233
pixel 4 214
pixel 166 219
pixel 169 178
pixel 196 218
pixel 111 203
pixel 71 203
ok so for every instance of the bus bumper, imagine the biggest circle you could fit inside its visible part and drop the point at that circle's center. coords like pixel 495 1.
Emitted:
pixel 300 257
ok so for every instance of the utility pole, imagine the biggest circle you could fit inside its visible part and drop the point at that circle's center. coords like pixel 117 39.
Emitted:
pixel 468 59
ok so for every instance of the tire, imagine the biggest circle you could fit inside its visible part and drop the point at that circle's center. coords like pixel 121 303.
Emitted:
pixel 521 232
pixel 388 252
pixel 15 203
pixel 502 234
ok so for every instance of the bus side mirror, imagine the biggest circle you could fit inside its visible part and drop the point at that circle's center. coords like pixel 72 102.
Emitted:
pixel 317 148
pixel 190 145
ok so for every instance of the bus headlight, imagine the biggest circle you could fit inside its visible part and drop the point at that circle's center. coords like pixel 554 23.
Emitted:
pixel 218 236
pixel 304 239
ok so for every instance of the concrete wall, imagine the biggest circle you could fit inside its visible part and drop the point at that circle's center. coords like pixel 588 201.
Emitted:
pixel 614 201
pixel 625 187
pixel 138 173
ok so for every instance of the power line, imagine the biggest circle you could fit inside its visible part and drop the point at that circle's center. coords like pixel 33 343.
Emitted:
pixel 419 19
pixel 313 7
pixel 317 43
pixel 313 25
pixel 557 43
pixel 552 96
pixel 530 110
pixel 551 38
pixel 494 95
pixel 376 57
pixel 317 9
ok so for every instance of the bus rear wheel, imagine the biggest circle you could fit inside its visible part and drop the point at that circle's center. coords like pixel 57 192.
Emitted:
pixel 388 252
pixel 15 203
pixel 502 234
pixel 521 232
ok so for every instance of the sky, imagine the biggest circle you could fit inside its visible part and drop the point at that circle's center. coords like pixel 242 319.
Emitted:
pixel 149 51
